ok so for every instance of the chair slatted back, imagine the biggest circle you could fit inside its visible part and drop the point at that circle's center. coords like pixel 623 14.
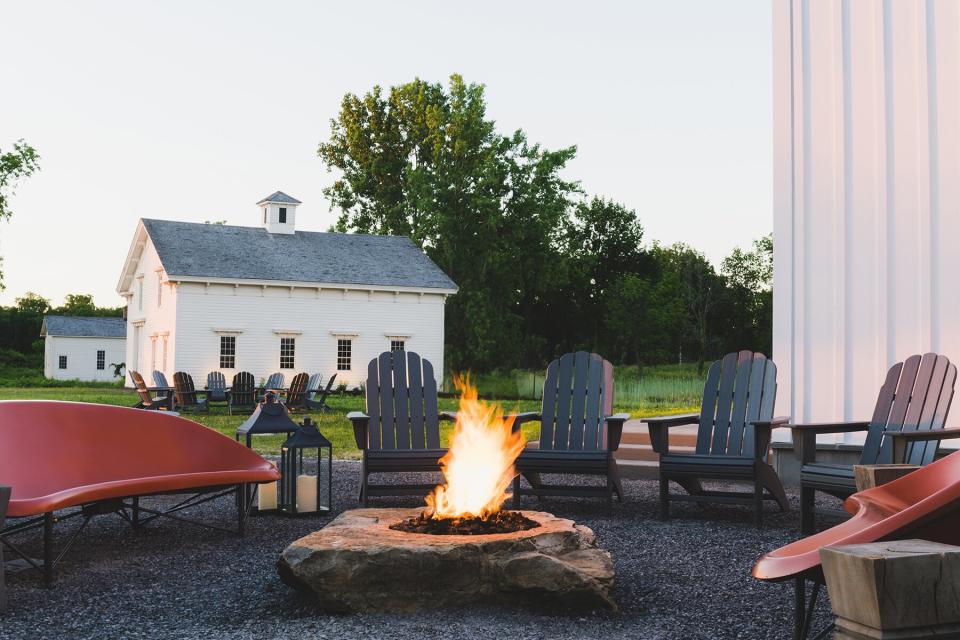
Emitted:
pixel 402 402
pixel 740 388
pixel 145 398
pixel 186 393
pixel 577 397
pixel 216 386
pixel 297 393
pixel 243 389
pixel 159 379
pixel 313 385
pixel 274 382
pixel 915 396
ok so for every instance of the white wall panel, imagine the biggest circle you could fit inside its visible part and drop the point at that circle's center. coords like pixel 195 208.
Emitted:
pixel 866 195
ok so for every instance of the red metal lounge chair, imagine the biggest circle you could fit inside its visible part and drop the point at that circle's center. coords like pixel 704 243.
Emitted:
pixel 923 504
pixel 102 459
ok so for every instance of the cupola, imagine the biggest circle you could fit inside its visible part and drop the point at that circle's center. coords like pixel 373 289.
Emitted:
pixel 278 212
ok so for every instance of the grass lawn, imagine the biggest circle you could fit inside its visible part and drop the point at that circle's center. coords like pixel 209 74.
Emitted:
pixel 334 425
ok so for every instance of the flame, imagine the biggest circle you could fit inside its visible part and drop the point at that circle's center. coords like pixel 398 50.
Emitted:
pixel 478 467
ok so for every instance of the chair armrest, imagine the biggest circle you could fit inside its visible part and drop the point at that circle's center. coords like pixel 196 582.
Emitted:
pixel 360 421
pixel 448 415
pixel 615 429
pixel 762 430
pixel 902 438
pixel 805 436
pixel 520 418
pixel 673 421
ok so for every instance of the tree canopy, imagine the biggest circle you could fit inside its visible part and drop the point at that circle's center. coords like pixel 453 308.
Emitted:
pixel 542 268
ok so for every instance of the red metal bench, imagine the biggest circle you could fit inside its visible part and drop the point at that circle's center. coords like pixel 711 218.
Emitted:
pixel 94 459
pixel 923 504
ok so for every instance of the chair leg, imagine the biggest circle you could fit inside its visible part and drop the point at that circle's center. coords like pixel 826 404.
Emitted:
pixel 664 498
pixel 807 515
pixel 363 484
pixel 613 473
pixel 48 549
pixel 516 491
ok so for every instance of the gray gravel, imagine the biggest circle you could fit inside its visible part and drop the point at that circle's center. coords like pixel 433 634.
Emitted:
pixel 686 578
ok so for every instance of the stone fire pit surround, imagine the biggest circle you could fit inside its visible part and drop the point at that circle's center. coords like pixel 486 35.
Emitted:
pixel 358 564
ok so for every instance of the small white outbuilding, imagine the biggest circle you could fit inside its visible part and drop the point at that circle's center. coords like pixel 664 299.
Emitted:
pixel 82 348
pixel 271 298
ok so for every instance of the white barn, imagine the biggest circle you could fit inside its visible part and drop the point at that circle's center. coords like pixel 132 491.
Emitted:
pixel 82 348
pixel 866 198
pixel 207 297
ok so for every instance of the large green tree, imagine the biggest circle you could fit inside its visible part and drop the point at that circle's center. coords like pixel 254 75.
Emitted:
pixel 15 165
pixel 425 161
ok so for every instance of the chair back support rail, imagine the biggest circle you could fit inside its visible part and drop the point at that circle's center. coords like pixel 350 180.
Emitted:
pixel 740 388
pixel 402 402
pixel 216 386
pixel 577 397
pixel 297 393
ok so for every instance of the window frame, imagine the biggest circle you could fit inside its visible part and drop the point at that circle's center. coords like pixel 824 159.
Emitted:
pixel 159 289
pixel 62 363
pixel 101 359
pixel 395 341
pixel 344 354
pixel 139 293
pixel 228 352
pixel 282 215
pixel 288 352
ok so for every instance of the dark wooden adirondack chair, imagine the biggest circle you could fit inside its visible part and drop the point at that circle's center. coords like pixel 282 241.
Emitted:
pixel 187 396
pixel 164 388
pixel 578 434
pixel 733 439
pixel 313 385
pixel 318 402
pixel 400 432
pixel 242 393
pixel 274 383
pixel 216 387
pixel 907 426
pixel 297 393
pixel 4 501
pixel 147 400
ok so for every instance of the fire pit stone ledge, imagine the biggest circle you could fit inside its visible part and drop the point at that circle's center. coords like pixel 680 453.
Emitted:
pixel 358 564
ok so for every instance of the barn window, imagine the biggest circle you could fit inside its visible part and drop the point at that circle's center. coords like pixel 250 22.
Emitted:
pixel 140 294
pixel 63 362
pixel 397 345
pixel 101 360
pixel 159 288
pixel 287 348
pixel 164 353
pixel 283 215
pixel 228 352
pixel 344 351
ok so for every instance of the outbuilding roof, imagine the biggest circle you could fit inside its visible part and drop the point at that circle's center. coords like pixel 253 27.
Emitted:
pixel 197 250
pixel 281 197
pixel 84 327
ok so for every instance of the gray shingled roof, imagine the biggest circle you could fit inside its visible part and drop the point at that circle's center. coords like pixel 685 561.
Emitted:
pixel 280 196
pixel 252 253
pixel 84 326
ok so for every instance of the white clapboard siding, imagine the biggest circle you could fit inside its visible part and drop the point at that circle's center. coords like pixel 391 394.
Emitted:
pixel 866 196
pixel 81 353
pixel 151 323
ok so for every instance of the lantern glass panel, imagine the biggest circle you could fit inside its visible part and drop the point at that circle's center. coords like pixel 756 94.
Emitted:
pixel 306 469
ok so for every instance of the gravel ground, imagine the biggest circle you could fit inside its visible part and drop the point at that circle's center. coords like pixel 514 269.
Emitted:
pixel 686 578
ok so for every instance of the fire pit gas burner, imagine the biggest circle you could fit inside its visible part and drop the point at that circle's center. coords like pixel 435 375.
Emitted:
pixel 499 522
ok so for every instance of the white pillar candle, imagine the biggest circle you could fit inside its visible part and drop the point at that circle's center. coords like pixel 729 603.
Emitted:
pixel 306 493
pixel 267 496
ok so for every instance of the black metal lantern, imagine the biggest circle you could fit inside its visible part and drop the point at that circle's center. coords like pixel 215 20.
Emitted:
pixel 302 493
pixel 269 418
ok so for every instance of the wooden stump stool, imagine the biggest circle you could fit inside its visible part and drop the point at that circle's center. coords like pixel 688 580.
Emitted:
pixel 869 476
pixel 901 589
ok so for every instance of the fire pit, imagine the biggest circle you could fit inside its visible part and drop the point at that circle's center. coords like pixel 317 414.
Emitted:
pixel 463 548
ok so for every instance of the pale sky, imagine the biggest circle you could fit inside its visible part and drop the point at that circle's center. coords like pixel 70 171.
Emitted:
pixel 196 110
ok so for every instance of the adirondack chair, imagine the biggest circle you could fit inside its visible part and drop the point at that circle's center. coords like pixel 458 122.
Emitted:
pixel 578 434
pixel 242 392
pixel 216 387
pixel 147 400
pixel 274 383
pixel 297 393
pixel 320 403
pixel 164 388
pixel 914 399
pixel 400 432
pixel 187 395
pixel 313 385
pixel 733 440
pixel 4 501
